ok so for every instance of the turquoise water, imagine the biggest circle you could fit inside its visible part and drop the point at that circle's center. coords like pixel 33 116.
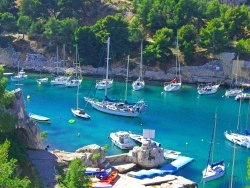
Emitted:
pixel 182 120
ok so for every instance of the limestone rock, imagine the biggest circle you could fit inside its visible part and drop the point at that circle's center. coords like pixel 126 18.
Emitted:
pixel 28 129
pixel 147 156
pixel 91 155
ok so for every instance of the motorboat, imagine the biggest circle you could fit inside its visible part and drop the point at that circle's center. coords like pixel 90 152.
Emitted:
pixel 20 76
pixel 122 140
pixel 140 139
pixel 39 118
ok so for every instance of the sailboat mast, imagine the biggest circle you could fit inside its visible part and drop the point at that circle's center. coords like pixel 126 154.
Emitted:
pixel 211 145
pixel 76 60
pixel 213 141
pixel 107 70
pixel 126 89
pixel 237 69
pixel 57 60
pixel 234 151
pixel 141 60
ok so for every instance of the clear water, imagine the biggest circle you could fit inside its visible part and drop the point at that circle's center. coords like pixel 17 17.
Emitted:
pixel 183 121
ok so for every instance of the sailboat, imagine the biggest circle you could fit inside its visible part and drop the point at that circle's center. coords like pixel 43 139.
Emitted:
pixel 58 79
pixel 241 139
pixel 117 107
pixel 234 90
pixel 175 83
pixel 78 112
pixel 213 170
pixel 208 88
pixel 107 82
pixel 139 83
pixel 20 75
pixel 77 79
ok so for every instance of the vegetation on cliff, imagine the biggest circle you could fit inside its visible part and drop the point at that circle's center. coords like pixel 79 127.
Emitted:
pixel 199 25
pixel 15 168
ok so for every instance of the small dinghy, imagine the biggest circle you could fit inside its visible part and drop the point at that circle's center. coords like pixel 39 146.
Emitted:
pixel 39 118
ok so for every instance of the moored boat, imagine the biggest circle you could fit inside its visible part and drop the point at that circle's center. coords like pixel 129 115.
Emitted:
pixel 242 96
pixel 20 76
pixel 122 140
pixel 39 118
pixel 110 179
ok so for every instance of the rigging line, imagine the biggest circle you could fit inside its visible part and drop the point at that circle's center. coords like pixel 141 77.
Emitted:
pixel 95 75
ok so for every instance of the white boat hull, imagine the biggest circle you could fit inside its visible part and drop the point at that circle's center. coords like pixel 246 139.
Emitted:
pixel 101 84
pixel 212 173
pixel 73 83
pixel 119 109
pixel 80 113
pixel 61 80
pixel 122 140
pixel 239 139
pixel 242 96
pixel 172 86
pixel 233 92
pixel 138 84
pixel 39 118
pixel 206 90
pixel 42 80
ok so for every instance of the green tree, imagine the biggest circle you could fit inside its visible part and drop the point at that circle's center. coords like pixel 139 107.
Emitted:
pixel 159 49
pixel 187 42
pixel 7 121
pixel 7 22
pixel 8 170
pixel 23 24
pixel 75 177
pixel 88 46
pixel 116 28
pixel 136 30
pixel 212 10
pixel 236 20
pixel 214 36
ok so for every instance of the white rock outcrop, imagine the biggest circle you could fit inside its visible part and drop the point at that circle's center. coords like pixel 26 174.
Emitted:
pixel 147 155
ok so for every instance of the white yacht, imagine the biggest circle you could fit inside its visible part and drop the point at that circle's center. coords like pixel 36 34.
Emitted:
pixel 20 76
pixel 206 89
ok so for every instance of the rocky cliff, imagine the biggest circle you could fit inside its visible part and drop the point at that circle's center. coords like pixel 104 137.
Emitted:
pixel 28 130
pixel 221 69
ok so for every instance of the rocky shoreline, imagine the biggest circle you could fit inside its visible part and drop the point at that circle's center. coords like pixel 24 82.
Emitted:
pixel 221 70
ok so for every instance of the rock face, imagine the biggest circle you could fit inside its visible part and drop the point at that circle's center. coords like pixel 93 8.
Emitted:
pixel 28 129
pixel 147 156
pixel 91 155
